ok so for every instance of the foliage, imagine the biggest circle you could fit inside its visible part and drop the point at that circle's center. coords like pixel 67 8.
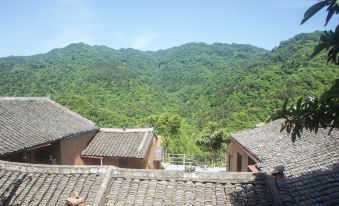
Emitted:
pixel 332 8
pixel 212 140
pixel 315 113
pixel 167 125
pixel 235 86
pixel 329 41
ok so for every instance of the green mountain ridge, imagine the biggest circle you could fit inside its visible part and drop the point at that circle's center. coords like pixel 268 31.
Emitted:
pixel 233 86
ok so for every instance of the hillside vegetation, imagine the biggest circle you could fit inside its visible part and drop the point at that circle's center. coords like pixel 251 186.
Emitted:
pixel 192 86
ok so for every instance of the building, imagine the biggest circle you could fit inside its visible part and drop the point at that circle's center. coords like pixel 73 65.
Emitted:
pixel 307 170
pixel 126 148
pixel 29 184
pixel 39 130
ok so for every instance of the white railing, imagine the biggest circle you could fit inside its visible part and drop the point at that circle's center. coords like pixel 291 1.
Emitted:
pixel 195 160
pixel 181 159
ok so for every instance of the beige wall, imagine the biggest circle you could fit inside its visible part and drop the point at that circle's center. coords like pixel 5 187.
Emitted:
pixel 151 163
pixel 233 149
pixel 70 150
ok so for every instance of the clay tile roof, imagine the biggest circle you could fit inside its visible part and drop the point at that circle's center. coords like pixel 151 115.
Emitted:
pixel 29 121
pixel 130 143
pixel 147 187
pixel 311 163
pixel 27 184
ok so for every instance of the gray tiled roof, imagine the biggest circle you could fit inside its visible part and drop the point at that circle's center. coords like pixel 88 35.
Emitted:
pixel 30 121
pixel 25 184
pixel 137 187
pixel 311 163
pixel 130 143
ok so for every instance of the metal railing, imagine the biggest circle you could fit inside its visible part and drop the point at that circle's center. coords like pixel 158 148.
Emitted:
pixel 181 159
pixel 195 160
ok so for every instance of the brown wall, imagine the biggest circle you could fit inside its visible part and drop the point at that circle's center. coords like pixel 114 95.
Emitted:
pixel 70 150
pixel 66 152
pixel 146 163
pixel 233 149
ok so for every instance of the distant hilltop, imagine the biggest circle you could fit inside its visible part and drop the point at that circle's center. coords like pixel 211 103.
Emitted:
pixel 230 86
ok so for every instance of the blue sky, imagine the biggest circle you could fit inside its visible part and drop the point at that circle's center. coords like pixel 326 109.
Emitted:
pixel 31 27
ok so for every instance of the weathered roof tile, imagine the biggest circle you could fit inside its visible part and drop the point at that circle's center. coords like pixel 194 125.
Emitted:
pixel 26 184
pixel 29 121
pixel 29 184
pixel 311 163
pixel 154 187
pixel 130 143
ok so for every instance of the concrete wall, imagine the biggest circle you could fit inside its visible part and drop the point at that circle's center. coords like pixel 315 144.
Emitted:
pixel 70 150
pixel 233 149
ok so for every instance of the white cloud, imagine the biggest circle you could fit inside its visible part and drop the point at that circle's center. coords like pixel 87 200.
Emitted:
pixel 143 40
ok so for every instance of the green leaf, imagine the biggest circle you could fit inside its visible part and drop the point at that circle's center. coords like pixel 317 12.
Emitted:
pixel 320 47
pixel 313 10
pixel 330 14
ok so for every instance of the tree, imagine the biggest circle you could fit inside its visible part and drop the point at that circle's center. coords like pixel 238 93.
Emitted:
pixel 321 112
pixel 212 140
pixel 166 125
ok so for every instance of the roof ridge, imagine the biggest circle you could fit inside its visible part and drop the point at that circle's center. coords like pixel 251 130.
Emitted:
pixel 126 129
pixel 62 169
pixel 221 177
pixel 4 98
pixel 134 173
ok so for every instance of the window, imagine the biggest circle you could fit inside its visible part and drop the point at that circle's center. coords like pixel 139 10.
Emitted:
pixel 229 163
pixel 239 162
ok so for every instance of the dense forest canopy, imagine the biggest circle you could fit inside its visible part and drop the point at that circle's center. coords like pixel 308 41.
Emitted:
pixel 321 111
pixel 231 86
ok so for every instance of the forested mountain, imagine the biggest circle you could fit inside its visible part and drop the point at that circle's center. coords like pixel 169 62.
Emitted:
pixel 229 85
